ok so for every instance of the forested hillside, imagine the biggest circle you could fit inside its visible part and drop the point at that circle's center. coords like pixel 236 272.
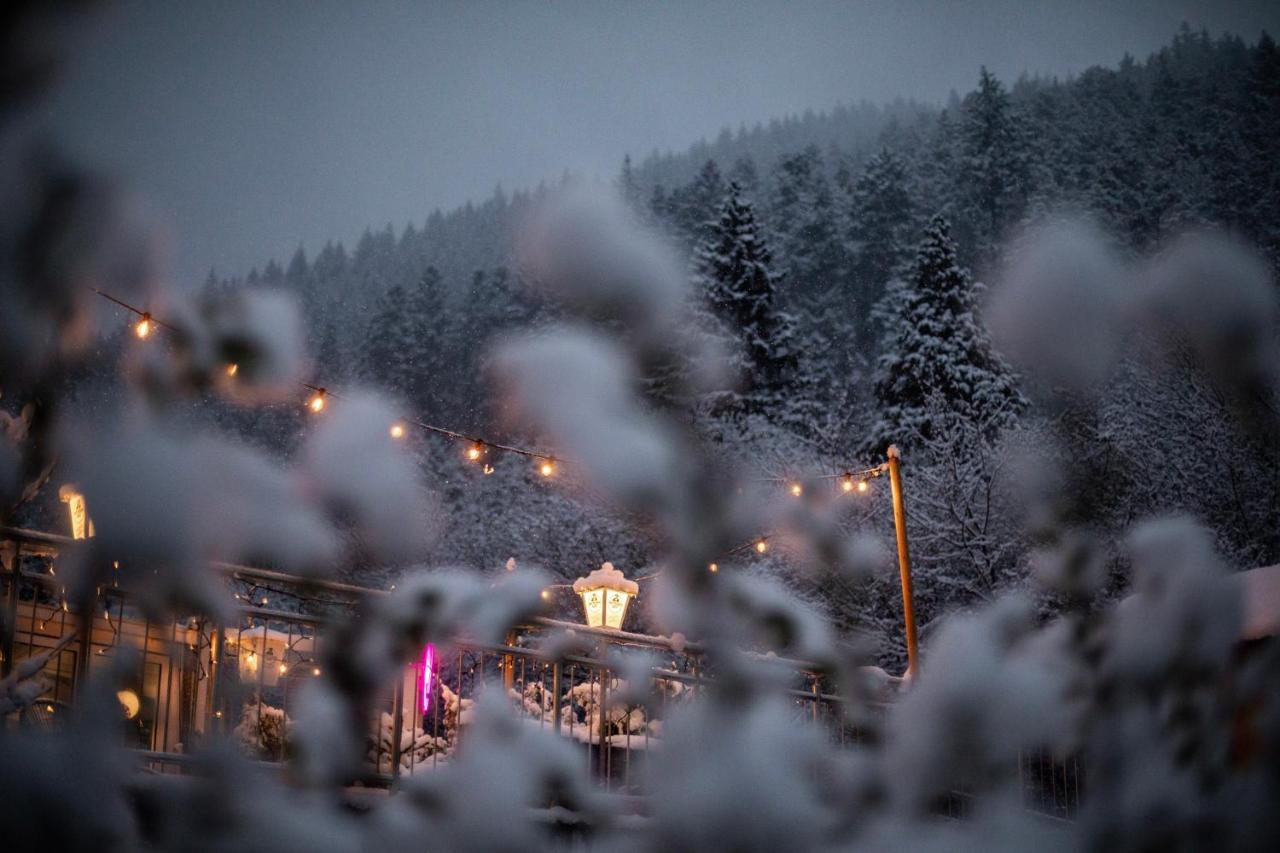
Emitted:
pixel 841 257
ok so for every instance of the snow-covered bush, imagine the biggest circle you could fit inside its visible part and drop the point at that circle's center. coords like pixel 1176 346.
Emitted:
pixel 1180 737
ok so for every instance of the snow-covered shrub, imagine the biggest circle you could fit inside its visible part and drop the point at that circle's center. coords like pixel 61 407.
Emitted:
pixel 263 731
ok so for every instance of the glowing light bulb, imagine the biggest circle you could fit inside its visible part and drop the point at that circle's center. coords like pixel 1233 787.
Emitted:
pixel 796 490
pixel 762 545
pixel 284 667
pixel 315 671
pixel 233 369
pixel 714 567
pixel 547 468
pixel 397 430
pixel 846 483
pixel 863 485
pixel 143 328
pixel 475 451
pixel 546 595
pixel 317 401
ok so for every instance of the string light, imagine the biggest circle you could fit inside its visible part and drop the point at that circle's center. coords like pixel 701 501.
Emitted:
pixel 143 327
pixel 762 545
pixel 397 430
pixel 846 483
pixel 546 595
pixel 713 568
pixel 863 485
pixel 796 490
pixel 317 401
pixel 475 451
pixel 315 671
pixel 233 369
pixel 548 467
pixel 487 469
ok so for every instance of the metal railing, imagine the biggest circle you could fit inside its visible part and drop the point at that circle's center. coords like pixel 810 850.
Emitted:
pixel 192 678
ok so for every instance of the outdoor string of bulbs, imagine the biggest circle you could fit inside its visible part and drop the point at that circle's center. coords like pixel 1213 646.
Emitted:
pixel 478 448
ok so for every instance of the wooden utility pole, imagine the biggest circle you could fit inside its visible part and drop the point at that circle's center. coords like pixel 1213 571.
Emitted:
pixel 904 558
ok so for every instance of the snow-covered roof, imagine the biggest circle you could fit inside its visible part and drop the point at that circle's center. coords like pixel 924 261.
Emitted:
pixel 606 576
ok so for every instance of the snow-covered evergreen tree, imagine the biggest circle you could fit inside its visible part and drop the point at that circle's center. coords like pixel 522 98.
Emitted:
pixel 936 354
pixel 803 216
pixel 993 164
pixel 405 348
pixel 690 210
pixel 880 213
pixel 734 269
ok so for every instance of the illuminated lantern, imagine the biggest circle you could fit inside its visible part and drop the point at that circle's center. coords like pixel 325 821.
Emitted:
pixel 428 666
pixel 547 468
pixel 143 329
pixel 81 523
pixel 605 595
pixel 130 704
pixel 317 401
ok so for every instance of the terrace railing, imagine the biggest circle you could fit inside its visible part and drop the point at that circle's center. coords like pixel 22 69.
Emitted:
pixel 191 678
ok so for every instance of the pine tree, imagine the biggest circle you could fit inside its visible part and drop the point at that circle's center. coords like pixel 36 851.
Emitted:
pixel 692 209
pixel 405 348
pixel 802 212
pixel 936 360
pixel 993 165
pixel 879 220
pixel 629 186
pixel 734 269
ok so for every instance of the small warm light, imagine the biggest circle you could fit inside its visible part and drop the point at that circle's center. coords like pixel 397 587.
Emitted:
pixel 397 430
pixel 284 667
pixel 846 483
pixel 796 490
pixel 714 567
pixel 317 401
pixel 863 485
pixel 129 703
pixel 487 469
pixel 233 369
pixel 315 671
pixel 605 594
pixel 475 451
pixel 547 468
pixel 218 714
pixel 762 545
pixel 546 595
pixel 81 523
pixel 143 328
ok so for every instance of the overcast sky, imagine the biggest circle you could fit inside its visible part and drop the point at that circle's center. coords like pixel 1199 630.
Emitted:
pixel 253 125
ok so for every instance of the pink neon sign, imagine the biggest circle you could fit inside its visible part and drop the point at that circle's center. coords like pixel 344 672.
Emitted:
pixel 428 665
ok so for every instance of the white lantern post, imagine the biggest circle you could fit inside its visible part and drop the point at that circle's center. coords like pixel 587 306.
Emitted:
pixel 605 594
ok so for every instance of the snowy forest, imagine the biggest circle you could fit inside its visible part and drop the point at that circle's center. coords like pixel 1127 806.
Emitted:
pixel 821 248
pixel 304 557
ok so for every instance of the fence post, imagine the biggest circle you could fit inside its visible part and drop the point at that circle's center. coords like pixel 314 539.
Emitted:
pixel 397 726
pixel 509 665
pixel 10 626
pixel 904 558
pixel 555 696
